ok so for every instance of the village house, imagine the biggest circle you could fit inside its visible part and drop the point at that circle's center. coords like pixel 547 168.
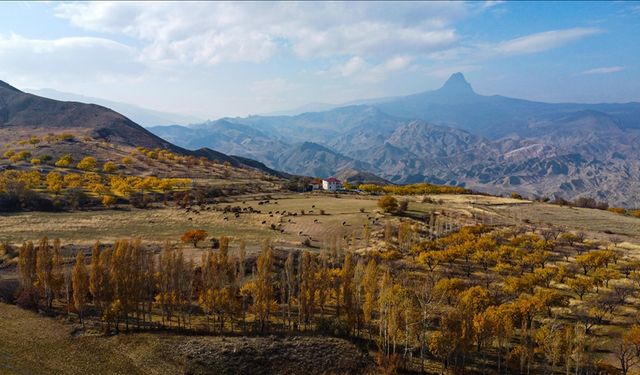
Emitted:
pixel 331 184
pixel 315 184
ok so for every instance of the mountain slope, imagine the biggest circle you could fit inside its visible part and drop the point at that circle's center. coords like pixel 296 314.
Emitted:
pixel 24 115
pixel 143 116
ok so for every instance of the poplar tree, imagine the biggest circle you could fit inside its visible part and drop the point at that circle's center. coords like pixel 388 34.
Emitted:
pixel 264 285
pixel 79 279
pixel 370 286
pixel 346 279
pixel 57 277
pixel 289 284
pixel 44 268
pixel 27 265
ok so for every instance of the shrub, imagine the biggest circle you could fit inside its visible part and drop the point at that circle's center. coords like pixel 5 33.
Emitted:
pixel 88 163
pixel 403 206
pixel 22 155
pixel 194 236
pixel 64 161
pixel 388 203
pixel 108 200
pixel 109 167
pixel 618 210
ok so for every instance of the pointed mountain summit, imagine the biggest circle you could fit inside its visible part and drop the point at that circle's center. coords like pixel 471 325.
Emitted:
pixel 456 85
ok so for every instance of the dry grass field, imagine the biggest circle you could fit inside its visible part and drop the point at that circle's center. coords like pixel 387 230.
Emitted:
pixel 168 223
pixel 160 224
pixel 31 344
pixel 35 345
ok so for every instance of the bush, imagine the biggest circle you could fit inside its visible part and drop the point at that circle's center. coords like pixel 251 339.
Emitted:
pixel 194 236
pixel 618 210
pixel 108 200
pixel 109 167
pixel 88 164
pixel 64 161
pixel 388 203
pixel 403 206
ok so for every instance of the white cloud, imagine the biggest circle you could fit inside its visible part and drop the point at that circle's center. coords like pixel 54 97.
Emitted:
pixel 36 62
pixel 543 41
pixel 397 63
pixel 209 33
pixel 352 66
pixel 604 70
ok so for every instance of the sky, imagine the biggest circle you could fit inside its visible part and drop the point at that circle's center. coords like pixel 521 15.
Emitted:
pixel 215 59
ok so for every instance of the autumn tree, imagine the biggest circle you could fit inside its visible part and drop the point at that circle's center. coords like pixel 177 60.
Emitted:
pixel 64 161
pixel 27 265
pixel 388 203
pixel 88 163
pixel 80 285
pixel 108 200
pixel 109 167
pixel 194 236
pixel 264 285
pixel 54 182
pixel 44 267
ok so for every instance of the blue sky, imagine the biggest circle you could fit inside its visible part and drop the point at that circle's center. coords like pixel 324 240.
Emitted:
pixel 230 59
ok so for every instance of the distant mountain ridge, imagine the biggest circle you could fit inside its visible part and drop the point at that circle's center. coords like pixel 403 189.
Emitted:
pixel 451 135
pixel 142 116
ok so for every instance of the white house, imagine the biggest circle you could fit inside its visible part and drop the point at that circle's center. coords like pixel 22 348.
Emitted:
pixel 331 184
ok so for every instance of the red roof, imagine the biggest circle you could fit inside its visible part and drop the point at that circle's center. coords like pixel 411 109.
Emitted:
pixel 331 179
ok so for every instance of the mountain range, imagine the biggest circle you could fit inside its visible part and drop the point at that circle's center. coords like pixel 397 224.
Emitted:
pixel 451 135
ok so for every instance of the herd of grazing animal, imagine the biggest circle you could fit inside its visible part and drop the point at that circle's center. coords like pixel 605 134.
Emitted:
pixel 237 211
